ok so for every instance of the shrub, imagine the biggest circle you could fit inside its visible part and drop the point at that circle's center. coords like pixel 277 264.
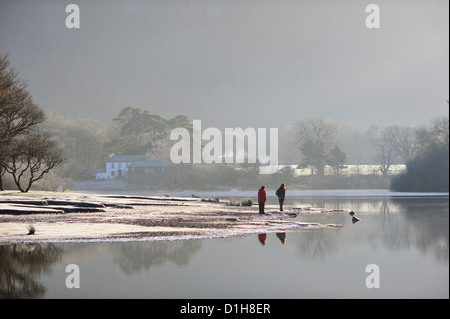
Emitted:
pixel 427 172
pixel 247 202
pixel 234 202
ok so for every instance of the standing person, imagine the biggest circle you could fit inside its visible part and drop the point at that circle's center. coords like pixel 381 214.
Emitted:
pixel 281 193
pixel 262 199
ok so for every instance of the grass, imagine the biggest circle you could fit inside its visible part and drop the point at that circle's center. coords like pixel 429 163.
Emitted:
pixel 31 230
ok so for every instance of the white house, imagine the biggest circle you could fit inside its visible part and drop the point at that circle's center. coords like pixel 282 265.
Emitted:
pixel 117 166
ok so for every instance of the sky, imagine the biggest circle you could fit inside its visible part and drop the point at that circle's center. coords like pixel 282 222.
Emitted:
pixel 235 63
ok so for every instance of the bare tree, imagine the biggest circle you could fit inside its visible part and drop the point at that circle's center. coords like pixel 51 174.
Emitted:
pixel 315 129
pixel 436 134
pixel 386 153
pixel 22 150
pixel 396 144
pixel 18 114
pixel 32 156
pixel 315 137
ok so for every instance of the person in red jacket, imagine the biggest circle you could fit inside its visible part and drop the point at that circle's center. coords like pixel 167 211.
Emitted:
pixel 262 199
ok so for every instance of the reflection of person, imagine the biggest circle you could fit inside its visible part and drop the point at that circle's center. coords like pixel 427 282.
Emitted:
pixel 281 193
pixel 281 237
pixel 261 199
pixel 262 238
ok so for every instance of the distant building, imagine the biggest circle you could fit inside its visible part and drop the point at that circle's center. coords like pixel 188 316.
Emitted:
pixel 117 166
pixel 95 172
pixel 147 173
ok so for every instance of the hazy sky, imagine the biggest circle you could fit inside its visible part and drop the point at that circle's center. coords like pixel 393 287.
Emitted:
pixel 234 63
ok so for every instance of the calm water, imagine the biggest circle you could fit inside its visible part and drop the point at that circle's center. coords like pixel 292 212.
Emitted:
pixel 407 238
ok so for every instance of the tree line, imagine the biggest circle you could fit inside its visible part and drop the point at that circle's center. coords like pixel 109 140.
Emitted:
pixel 424 150
pixel 428 168
pixel 135 131
pixel 310 143
pixel 318 142
pixel 34 145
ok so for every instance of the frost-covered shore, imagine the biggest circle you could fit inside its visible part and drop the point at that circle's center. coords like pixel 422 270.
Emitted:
pixel 80 216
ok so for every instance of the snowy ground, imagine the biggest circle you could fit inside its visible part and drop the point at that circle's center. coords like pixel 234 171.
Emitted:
pixel 59 217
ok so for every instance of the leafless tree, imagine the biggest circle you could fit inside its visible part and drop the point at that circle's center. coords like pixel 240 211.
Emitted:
pixel 315 129
pixel 32 156
pixel 19 119
pixel 18 113
pixel 386 152
pixel 396 145
pixel 436 134
pixel 315 137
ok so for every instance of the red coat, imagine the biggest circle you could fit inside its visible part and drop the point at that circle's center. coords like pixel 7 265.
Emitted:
pixel 262 195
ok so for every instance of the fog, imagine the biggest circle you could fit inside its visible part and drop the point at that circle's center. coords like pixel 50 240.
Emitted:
pixel 234 63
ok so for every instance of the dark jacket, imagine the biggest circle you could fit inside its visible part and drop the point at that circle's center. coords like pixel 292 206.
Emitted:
pixel 281 193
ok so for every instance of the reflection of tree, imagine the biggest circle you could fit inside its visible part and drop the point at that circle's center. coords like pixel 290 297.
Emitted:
pixel 427 227
pixel 317 245
pixel 396 234
pixel 397 224
pixel 135 257
pixel 20 264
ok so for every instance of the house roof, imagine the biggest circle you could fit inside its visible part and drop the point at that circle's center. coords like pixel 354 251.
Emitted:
pixel 124 158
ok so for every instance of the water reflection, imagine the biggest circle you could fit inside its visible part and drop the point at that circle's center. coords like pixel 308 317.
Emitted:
pixel 136 257
pixel 20 266
pixel 281 237
pixel 316 245
pixel 423 228
pixel 263 237
pixel 390 228
pixel 393 223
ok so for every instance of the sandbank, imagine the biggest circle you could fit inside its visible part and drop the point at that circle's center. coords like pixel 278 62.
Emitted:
pixel 80 216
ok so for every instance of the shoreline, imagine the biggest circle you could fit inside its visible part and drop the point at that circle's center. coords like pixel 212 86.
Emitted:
pixel 88 217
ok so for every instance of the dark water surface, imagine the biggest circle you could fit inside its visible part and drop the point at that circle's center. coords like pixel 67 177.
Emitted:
pixel 407 238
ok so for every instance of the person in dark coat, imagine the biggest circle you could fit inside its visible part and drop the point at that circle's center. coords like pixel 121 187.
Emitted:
pixel 261 199
pixel 281 193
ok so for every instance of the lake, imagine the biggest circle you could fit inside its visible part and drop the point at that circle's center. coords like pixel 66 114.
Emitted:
pixel 398 249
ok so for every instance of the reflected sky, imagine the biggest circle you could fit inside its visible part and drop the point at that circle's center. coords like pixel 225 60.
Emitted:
pixel 407 238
